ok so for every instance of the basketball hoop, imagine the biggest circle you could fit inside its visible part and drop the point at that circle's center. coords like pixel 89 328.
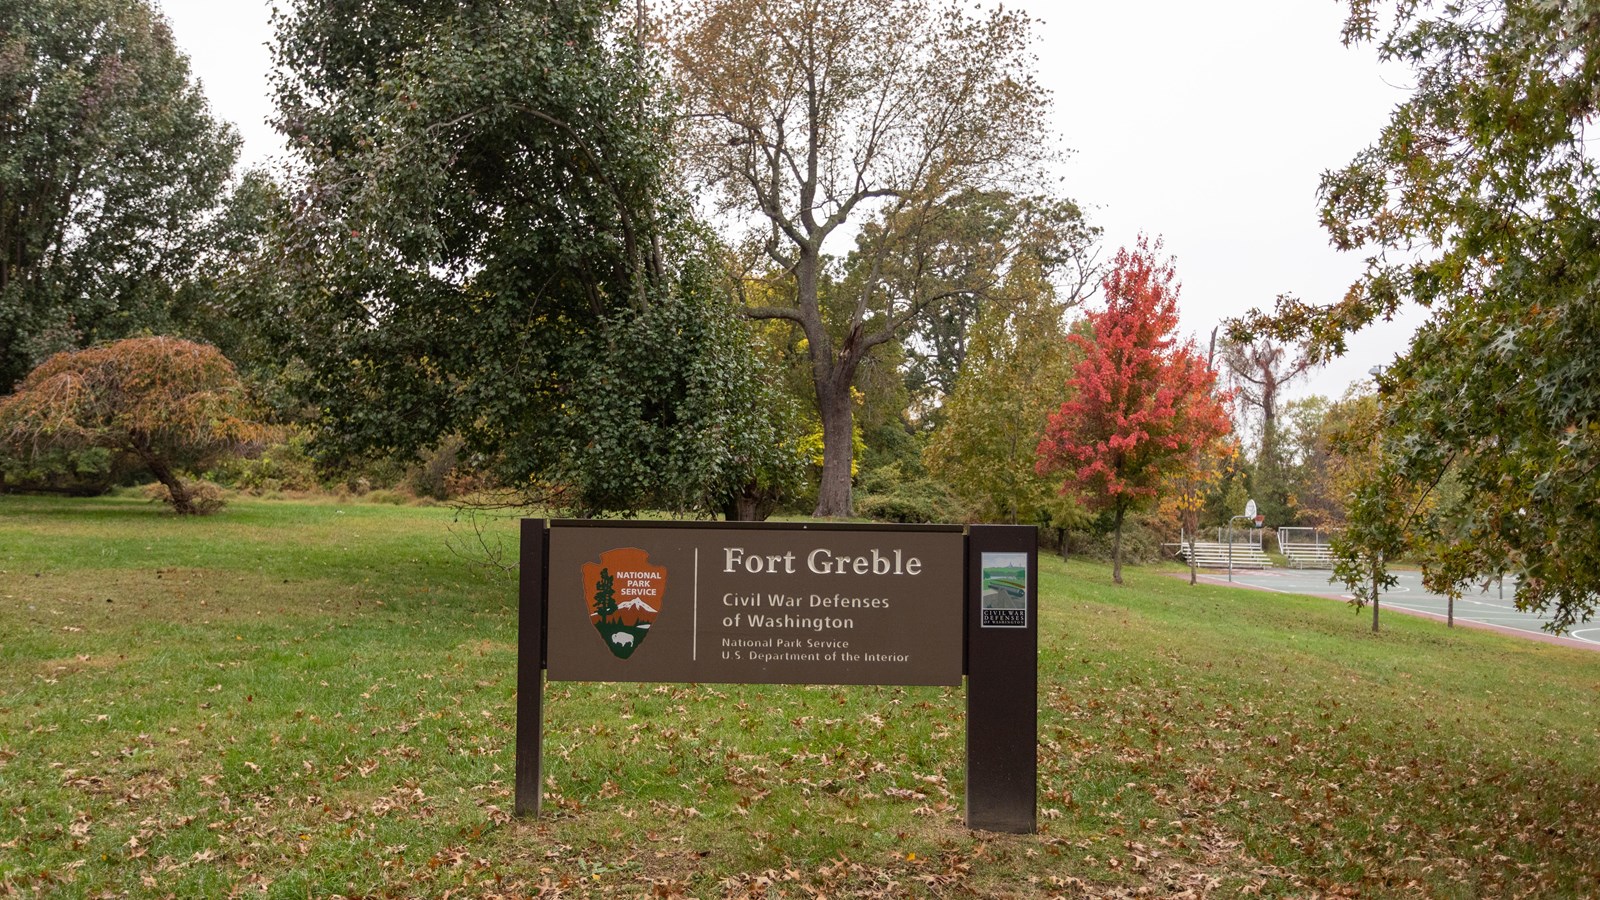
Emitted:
pixel 1260 520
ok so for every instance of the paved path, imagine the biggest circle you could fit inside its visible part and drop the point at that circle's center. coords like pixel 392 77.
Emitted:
pixel 1485 609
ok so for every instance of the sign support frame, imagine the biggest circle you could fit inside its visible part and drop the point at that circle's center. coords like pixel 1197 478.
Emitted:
pixel 1002 693
pixel 532 609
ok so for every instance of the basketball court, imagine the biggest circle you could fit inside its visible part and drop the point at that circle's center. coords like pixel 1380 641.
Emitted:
pixel 1490 608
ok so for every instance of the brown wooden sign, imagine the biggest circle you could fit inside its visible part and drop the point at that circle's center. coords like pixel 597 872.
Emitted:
pixel 772 605
pixel 814 603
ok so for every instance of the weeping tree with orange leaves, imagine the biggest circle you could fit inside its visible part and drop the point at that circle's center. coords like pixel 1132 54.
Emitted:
pixel 165 404
pixel 1140 403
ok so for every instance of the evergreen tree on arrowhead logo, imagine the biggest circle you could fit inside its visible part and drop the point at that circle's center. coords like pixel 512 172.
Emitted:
pixel 624 594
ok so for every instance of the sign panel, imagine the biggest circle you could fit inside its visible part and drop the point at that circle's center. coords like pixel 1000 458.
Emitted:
pixel 770 605
pixel 1004 599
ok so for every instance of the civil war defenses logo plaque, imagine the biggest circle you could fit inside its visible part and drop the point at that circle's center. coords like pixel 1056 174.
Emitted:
pixel 1004 601
pixel 770 605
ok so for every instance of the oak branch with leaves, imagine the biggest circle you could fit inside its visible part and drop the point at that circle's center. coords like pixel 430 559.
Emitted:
pixel 1478 202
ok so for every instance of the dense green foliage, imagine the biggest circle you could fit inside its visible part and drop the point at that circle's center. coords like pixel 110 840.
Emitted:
pixel 83 473
pixel 109 163
pixel 982 251
pixel 668 408
pixel 1014 364
pixel 1481 202
pixel 482 248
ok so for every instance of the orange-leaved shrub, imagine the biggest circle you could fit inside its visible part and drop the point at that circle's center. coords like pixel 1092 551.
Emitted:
pixel 162 403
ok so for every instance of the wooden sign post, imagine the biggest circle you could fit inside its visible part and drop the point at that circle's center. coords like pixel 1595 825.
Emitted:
pixel 813 603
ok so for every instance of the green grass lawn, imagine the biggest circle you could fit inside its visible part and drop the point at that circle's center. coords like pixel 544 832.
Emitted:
pixel 317 698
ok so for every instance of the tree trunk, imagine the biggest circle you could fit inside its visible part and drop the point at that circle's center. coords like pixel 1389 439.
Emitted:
pixel 1194 569
pixel 1376 566
pixel 181 501
pixel 831 376
pixel 750 505
pixel 838 427
pixel 1116 547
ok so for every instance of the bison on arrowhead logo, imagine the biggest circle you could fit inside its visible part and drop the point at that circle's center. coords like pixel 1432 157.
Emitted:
pixel 624 593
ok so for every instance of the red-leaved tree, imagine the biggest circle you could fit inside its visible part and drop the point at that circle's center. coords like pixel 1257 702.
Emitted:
pixel 1141 401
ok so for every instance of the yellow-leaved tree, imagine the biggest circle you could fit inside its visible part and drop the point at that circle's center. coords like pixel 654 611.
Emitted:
pixel 1017 359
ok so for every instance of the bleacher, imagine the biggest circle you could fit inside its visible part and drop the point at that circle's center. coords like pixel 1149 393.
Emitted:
pixel 1214 555
pixel 1309 556
pixel 1306 548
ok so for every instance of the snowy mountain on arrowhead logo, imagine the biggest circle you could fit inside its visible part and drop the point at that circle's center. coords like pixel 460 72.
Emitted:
pixel 624 594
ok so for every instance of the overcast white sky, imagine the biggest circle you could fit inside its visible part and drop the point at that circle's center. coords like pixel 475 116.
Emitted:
pixel 1208 124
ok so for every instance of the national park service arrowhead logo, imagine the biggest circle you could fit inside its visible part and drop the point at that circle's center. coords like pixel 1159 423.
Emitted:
pixel 624 593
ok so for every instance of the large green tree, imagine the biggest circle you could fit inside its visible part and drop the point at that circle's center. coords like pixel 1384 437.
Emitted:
pixel 485 248
pixel 109 163
pixel 964 261
pixel 1480 201
pixel 235 298
pixel 808 118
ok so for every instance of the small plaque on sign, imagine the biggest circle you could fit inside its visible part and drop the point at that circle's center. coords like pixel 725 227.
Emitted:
pixel 1004 603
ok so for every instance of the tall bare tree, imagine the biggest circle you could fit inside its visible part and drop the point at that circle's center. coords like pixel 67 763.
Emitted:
pixel 806 116
pixel 1259 370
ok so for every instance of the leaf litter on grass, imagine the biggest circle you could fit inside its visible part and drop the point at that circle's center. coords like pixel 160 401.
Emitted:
pixel 1189 747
